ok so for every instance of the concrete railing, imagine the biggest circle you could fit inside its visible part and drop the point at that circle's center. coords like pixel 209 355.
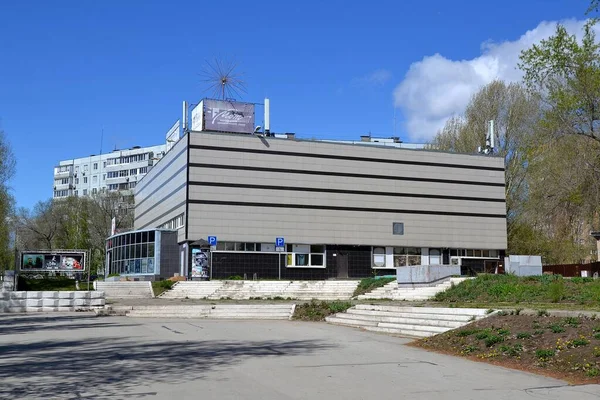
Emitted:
pixel 34 301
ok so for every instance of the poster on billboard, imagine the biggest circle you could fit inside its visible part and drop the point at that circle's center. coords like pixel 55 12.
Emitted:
pixel 68 261
pixel 197 117
pixel 199 263
pixel 228 116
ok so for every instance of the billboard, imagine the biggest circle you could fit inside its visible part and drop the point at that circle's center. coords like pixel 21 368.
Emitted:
pixel 197 115
pixel 227 116
pixel 68 261
pixel 199 263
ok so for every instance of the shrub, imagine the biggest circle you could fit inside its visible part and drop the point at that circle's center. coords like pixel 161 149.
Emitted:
pixel 512 351
pixel 466 332
pixel 597 335
pixel 572 321
pixel 493 339
pixel 318 310
pixel 523 335
pixel 539 332
pixel 542 313
pixel 556 328
pixel 483 334
pixel 503 332
pixel 469 348
pixel 593 372
pixel 579 342
pixel 544 354
pixel 235 278
pixel 556 291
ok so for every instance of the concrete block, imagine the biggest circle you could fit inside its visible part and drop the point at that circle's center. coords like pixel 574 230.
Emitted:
pixel 50 303
pixel 50 295
pixel 16 309
pixel 81 302
pixel 66 295
pixel 33 309
pixel 81 295
pixel 34 295
pixel 18 295
pixel 66 309
pixel 66 302
pixel 4 296
pixel 97 302
pixel 33 303
pixel 97 294
pixel 49 309
pixel 17 303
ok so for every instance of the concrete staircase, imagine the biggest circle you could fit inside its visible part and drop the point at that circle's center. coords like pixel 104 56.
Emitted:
pixel 215 311
pixel 192 290
pixel 244 290
pixel 321 290
pixel 394 292
pixel 406 321
pixel 125 289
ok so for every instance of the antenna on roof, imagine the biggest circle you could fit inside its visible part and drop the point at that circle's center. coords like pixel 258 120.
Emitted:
pixel 490 140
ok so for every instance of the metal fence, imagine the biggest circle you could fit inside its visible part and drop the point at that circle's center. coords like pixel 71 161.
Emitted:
pixel 572 270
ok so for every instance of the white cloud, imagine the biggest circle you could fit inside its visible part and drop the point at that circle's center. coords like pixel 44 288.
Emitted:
pixel 436 87
pixel 376 78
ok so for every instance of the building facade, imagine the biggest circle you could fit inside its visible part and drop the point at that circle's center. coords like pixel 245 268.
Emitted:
pixel 344 210
pixel 119 170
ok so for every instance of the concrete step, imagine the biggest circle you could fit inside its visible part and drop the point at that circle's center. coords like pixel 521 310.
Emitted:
pixel 400 332
pixel 423 310
pixel 350 322
pixel 400 319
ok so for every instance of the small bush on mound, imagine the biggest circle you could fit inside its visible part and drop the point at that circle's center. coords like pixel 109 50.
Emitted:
pixel 161 286
pixel 523 335
pixel 368 284
pixel 235 278
pixel 544 354
pixel 318 310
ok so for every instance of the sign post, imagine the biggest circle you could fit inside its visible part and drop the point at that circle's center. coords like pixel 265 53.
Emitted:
pixel 212 241
pixel 279 247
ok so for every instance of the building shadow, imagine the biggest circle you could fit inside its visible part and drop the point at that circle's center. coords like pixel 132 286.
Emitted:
pixel 109 368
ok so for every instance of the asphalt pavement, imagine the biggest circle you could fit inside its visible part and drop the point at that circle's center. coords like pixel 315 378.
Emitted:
pixel 80 356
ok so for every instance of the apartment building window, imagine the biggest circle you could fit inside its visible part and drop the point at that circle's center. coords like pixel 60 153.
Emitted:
pixel 94 191
pixel 76 193
pixel 113 174
pixel 132 185
pixel 103 177
pixel 77 181
pixel 95 179
pixel 85 179
pixel 143 170
pixel 63 181
pixel 62 168
pixel 85 192
pixel 95 166
pixel 61 193
pixel 133 171
pixel 85 167
pixel 104 165
pixel 123 172
pixel 113 186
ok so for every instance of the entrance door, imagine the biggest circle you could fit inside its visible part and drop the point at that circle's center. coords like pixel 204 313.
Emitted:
pixel 342 264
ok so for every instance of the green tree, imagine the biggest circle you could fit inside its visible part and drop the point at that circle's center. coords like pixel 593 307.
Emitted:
pixel 516 114
pixel 7 171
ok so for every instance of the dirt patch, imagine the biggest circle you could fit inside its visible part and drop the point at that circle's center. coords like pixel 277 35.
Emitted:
pixel 565 348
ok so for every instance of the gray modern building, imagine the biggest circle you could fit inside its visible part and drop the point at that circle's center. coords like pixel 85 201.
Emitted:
pixel 344 210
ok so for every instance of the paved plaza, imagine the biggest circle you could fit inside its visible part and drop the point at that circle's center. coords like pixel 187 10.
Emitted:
pixel 80 356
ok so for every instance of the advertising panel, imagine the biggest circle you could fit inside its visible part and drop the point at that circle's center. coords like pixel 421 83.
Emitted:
pixel 53 261
pixel 199 263
pixel 197 115
pixel 228 116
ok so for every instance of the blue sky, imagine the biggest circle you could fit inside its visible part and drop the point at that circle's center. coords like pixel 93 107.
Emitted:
pixel 332 69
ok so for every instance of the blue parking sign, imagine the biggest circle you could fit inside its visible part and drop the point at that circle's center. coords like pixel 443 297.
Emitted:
pixel 212 240
pixel 279 242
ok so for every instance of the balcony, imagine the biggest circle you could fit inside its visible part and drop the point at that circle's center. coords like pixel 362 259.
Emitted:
pixel 62 174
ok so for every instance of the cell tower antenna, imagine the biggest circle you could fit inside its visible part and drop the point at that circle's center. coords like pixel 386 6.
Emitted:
pixel 490 140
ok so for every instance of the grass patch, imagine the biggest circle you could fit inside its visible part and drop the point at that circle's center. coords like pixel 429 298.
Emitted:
pixel 318 310
pixel 545 289
pixel 161 286
pixel 368 284
pixel 556 328
pixel 493 339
